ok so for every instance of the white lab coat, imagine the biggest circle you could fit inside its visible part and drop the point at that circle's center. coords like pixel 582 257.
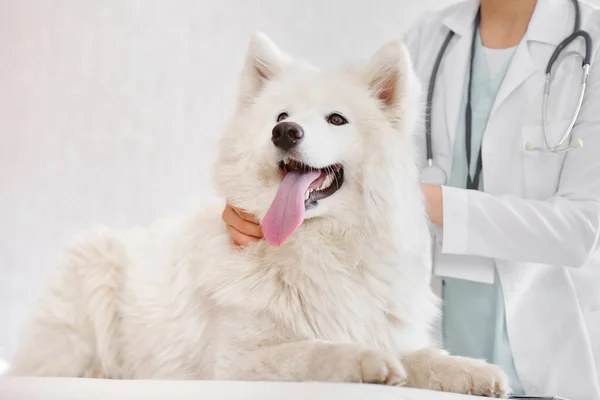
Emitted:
pixel 538 220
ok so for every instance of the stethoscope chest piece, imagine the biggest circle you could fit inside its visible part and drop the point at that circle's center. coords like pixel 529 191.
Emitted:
pixel 433 175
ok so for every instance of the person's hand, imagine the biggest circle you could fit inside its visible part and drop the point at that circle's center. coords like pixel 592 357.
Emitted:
pixel 435 204
pixel 243 228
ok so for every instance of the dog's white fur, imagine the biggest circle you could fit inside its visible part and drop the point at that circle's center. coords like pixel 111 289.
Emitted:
pixel 346 298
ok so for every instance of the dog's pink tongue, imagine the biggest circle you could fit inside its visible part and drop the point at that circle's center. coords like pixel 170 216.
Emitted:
pixel 287 210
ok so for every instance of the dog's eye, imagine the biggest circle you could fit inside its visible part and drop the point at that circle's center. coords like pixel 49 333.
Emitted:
pixel 282 116
pixel 336 119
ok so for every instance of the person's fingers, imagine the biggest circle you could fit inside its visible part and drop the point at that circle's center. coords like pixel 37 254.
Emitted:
pixel 232 217
pixel 233 233
pixel 238 238
pixel 245 216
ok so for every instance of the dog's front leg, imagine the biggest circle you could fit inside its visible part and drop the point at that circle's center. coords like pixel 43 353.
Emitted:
pixel 435 369
pixel 314 361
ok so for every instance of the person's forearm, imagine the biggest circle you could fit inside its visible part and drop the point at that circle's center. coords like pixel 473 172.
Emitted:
pixel 556 231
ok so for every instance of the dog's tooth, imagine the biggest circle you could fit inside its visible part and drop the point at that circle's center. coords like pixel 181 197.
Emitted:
pixel 307 195
pixel 327 182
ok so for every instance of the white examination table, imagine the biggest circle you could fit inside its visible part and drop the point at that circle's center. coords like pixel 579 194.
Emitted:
pixel 12 388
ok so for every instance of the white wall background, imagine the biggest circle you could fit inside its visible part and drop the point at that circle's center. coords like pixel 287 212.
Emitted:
pixel 110 109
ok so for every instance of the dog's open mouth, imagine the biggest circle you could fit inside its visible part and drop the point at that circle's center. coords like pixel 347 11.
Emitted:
pixel 329 180
pixel 301 188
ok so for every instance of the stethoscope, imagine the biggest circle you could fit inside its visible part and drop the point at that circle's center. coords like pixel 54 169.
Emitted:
pixel 435 175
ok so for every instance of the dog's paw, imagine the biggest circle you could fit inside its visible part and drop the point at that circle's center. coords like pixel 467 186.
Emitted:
pixel 350 363
pixel 471 376
pixel 435 370
pixel 375 366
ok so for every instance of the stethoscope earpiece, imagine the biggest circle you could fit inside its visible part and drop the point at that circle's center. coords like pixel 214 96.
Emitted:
pixel 576 143
pixel 529 146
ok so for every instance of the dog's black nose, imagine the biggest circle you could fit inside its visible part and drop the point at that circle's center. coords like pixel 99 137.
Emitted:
pixel 286 135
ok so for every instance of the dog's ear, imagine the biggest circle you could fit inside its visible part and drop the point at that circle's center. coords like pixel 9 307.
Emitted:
pixel 263 62
pixel 391 79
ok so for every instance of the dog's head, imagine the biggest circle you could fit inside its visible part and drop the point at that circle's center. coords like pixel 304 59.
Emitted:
pixel 306 144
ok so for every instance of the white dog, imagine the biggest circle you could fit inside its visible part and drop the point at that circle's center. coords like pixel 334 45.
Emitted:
pixel 340 289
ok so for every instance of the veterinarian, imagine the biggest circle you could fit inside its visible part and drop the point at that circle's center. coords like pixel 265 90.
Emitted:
pixel 517 256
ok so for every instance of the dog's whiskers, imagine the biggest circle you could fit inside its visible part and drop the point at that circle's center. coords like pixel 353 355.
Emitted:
pixel 337 184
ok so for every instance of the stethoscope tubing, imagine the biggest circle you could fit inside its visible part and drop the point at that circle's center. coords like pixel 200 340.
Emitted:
pixel 586 63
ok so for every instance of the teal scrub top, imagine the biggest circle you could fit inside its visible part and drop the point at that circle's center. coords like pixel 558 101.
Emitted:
pixel 474 323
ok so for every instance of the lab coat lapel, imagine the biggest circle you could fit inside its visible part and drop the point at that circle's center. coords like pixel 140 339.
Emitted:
pixel 454 84
pixel 521 68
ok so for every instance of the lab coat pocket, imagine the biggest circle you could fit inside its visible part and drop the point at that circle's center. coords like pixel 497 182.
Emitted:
pixel 541 170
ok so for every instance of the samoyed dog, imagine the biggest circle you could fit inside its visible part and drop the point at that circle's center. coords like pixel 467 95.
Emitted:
pixel 339 290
